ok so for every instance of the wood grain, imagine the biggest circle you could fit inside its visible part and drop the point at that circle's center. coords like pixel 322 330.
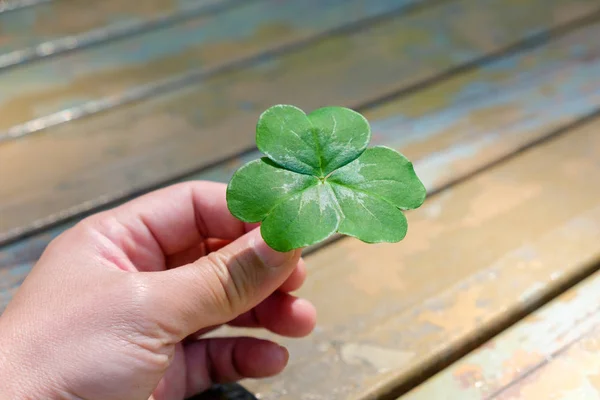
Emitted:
pixel 114 154
pixel 475 256
pixel 551 354
pixel 204 43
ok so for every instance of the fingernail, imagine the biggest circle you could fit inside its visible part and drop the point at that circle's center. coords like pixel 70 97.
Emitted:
pixel 269 257
pixel 284 354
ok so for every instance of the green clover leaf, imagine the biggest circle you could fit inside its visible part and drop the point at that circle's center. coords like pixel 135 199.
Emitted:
pixel 319 178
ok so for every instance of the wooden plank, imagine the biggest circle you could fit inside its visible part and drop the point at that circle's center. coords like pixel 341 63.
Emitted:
pixel 204 43
pixel 156 140
pixel 551 354
pixel 52 27
pixel 475 257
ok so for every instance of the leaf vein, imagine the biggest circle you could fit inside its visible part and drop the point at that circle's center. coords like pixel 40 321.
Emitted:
pixel 337 201
pixel 318 149
pixel 333 133
pixel 287 197
pixel 367 193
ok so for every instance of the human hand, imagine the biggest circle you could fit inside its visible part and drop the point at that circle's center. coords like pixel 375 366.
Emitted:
pixel 116 305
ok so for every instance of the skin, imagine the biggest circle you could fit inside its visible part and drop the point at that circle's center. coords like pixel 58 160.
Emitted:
pixel 117 306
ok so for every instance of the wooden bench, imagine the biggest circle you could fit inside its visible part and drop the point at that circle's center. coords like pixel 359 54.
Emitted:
pixel 495 101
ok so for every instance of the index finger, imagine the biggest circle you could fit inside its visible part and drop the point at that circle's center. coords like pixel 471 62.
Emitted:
pixel 178 217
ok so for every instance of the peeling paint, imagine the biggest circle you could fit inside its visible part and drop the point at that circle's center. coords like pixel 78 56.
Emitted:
pixel 383 359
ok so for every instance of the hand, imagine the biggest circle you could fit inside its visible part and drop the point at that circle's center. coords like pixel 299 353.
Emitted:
pixel 116 305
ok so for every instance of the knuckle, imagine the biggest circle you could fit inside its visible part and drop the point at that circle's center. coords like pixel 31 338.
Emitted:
pixel 235 279
pixel 98 221
pixel 92 228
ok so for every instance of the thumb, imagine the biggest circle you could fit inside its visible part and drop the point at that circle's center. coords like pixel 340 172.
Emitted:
pixel 220 286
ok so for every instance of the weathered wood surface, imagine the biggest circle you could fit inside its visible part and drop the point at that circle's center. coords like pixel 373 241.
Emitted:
pixel 551 354
pixel 353 295
pixel 51 27
pixel 112 70
pixel 497 243
pixel 572 374
pixel 84 163
pixel 476 256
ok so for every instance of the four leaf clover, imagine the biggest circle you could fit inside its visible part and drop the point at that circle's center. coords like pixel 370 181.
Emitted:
pixel 319 178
